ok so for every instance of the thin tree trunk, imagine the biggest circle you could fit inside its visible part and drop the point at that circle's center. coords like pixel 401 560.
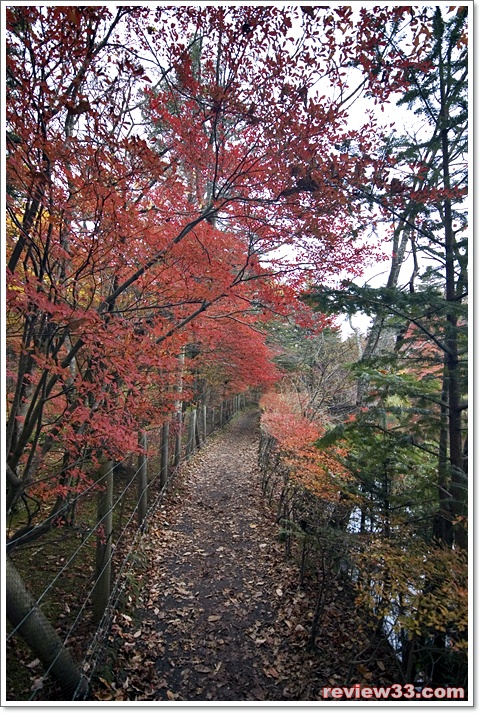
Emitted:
pixel 198 430
pixel 103 564
pixel 142 482
pixel 164 454
pixel 373 345
pixel 178 439
pixel 442 526
pixel 459 483
pixel 179 412
pixel 191 433
pixel 204 423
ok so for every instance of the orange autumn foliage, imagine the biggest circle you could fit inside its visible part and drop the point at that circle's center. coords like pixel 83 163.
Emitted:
pixel 321 472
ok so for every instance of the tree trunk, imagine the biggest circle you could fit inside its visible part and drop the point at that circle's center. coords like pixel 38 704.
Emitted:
pixel 179 412
pixel 198 430
pixel 101 592
pixel 142 482
pixel 191 433
pixel 32 625
pixel 459 483
pixel 377 340
pixel 178 439
pixel 164 454
pixel 442 524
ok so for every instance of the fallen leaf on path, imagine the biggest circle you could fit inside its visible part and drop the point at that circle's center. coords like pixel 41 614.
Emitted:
pixel 33 663
pixel 271 672
pixel 203 669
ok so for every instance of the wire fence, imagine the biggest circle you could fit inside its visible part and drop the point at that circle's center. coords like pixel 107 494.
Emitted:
pixel 68 597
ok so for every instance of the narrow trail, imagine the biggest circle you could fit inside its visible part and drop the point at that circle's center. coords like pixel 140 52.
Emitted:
pixel 216 619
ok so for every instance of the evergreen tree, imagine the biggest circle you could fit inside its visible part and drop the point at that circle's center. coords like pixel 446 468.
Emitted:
pixel 428 314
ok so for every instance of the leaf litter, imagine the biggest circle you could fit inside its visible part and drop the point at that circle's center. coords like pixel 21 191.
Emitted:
pixel 221 616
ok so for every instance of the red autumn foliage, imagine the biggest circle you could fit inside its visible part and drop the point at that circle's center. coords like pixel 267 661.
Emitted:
pixel 169 182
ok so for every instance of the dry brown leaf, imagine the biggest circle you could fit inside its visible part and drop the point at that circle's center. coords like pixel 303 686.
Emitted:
pixel 363 670
pixel 203 669
pixel 271 672
pixel 33 663
pixel 103 696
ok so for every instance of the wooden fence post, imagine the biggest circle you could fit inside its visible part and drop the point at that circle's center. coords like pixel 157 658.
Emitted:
pixel 178 439
pixel 204 424
pixel 103 554
pixel 191 433
pixel 142 481
pixel 198 430
pixel 179 412
pixel 164 454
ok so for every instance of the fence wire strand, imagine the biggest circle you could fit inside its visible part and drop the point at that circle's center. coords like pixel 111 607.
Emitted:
pixel 72 557
pixel 70 502
pixel 93 650
pixel 117 588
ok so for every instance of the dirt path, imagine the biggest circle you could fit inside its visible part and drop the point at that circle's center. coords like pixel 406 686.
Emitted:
pixel 213 623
